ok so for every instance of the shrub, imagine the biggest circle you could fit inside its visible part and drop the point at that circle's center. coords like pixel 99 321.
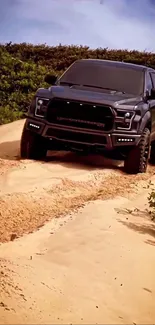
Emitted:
pixel 23 67
pixel 151 200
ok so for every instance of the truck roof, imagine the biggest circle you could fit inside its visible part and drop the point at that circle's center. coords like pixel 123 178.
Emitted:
pixel 116 63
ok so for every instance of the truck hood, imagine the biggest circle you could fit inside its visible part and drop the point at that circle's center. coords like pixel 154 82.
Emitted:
pixel 92 96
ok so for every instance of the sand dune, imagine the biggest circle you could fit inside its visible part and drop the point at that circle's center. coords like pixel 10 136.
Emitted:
pixel 93 265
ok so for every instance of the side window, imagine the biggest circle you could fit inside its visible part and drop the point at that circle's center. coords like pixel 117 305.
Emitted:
pixel 153 79
pixel 148 84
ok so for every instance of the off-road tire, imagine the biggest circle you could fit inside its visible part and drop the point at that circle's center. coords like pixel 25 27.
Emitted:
pixel 152 154
pixel 32 145
pixel 137 159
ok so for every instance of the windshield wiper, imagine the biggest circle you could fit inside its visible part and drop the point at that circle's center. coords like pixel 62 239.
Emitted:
pixel 105 88
pixel 70 84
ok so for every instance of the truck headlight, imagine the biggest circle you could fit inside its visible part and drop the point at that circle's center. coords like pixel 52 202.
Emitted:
pixel 124 120
pixel 127 115
pixel 41 106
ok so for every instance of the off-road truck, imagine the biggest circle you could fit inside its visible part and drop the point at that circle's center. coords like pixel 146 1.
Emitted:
pixel 96 106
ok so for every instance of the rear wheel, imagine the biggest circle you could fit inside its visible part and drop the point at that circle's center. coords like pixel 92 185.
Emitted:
pixel 137 159
pixel 32 145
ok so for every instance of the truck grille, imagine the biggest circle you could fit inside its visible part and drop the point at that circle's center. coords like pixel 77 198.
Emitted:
pixel 81 115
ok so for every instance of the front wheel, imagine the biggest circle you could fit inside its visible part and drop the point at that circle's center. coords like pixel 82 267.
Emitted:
pixel 32 145
pixel 137 159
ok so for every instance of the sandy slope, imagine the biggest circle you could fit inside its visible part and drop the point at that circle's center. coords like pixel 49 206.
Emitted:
pixel 88 267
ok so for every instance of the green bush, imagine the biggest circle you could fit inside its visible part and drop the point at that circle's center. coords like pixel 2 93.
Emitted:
pixel 23 67
pixel 151 200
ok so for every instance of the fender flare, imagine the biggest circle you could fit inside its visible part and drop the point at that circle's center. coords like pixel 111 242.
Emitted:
pixel 145 122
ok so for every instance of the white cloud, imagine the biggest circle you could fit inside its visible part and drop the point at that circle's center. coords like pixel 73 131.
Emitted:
pixel 114 24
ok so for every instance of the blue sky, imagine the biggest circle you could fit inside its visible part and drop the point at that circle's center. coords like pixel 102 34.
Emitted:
pixel 125 24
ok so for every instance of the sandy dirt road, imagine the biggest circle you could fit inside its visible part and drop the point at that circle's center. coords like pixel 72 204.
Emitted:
pixel 96 263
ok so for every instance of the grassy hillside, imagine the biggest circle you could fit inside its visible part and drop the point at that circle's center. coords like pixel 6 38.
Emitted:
pixel 23 67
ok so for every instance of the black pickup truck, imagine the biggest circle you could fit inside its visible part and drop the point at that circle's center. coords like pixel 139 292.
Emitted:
pixel 96 106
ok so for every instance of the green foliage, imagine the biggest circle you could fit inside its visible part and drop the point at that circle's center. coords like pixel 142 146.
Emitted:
pixel 18 83
pixel 151 200
pixel 23 67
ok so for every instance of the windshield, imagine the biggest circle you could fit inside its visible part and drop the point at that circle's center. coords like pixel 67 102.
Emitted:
pixel 107 76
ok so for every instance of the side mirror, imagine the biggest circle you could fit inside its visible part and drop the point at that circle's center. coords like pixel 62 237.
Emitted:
pixel 50 79
pixel 152 93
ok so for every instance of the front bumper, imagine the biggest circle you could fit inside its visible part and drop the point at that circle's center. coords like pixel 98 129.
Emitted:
pixel 75 136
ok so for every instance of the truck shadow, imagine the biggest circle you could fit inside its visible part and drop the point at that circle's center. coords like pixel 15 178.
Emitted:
pixel 70 159
pixel 10 151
